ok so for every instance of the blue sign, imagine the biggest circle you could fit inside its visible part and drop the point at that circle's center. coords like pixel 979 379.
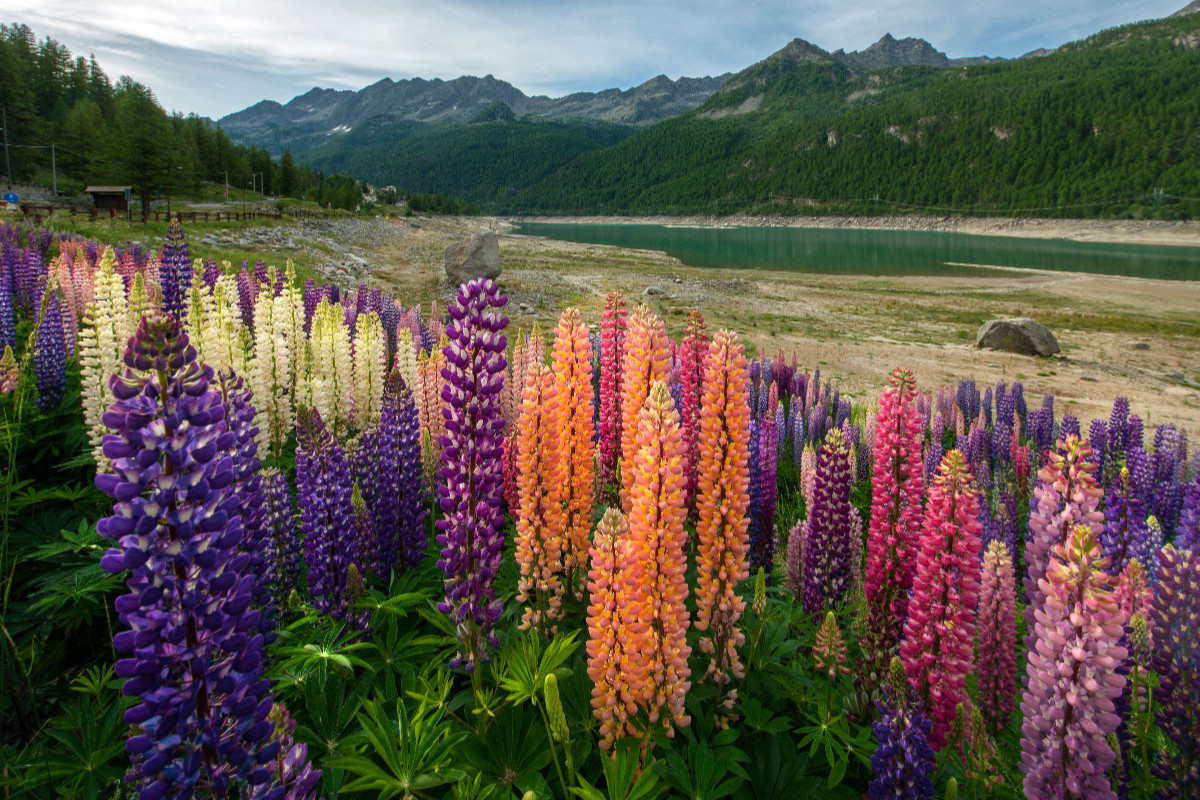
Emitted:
pixel 12 197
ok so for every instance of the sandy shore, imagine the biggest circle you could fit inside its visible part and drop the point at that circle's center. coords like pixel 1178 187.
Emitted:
pixel 1186 233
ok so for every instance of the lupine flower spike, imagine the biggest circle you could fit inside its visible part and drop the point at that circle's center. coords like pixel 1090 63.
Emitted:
pixel 647 360
pixel 1073 676
pixel 575 449
pixel 1176 636
pixel 471 533
pixel 939 633
pixel 611 620
pixel 997 668
pixel 612 354
pixel 721 503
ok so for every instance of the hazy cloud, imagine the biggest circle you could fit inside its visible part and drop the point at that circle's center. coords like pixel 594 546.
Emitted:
pixel 219 56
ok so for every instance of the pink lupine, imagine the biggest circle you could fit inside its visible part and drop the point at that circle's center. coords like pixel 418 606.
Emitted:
pixel 1073 675
pixel 612 345
pixel 1067 494
pixel 692 352
pixel 997 634
pixel 939 632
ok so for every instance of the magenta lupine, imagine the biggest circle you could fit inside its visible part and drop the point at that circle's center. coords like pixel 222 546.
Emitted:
pixel 175 271
pixel 324 489
pixel 939 632
pixel 203 718
pixel 763 538
pixel 997 635
pixel 1067 495
pixel 612 348
pixel 897 493
pixel 1175 624
pixel 472 534
pixel 49 355
pixel 830 555
pixel 1072 676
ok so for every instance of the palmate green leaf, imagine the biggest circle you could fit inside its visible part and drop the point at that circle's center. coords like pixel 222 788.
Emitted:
pixel 526 665
pixel 415 750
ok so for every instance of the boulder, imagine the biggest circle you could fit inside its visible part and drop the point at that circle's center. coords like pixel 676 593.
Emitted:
pixel 1018 335
pixel 475 257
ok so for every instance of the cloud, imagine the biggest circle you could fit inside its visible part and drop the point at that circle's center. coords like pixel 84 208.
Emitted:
pixel 219 56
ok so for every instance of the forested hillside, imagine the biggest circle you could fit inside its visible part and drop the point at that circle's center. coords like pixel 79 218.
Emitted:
pixel 1101 127
pixel 105 132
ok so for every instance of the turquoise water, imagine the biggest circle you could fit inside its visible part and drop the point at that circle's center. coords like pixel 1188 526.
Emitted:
pixel 871 252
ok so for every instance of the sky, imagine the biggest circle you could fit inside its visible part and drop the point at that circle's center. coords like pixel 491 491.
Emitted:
pixel 214 57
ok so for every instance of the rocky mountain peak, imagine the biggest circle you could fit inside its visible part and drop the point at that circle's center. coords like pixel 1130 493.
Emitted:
pixel 1191 8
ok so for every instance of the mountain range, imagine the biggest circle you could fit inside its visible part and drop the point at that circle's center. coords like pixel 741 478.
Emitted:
pixel 1093 126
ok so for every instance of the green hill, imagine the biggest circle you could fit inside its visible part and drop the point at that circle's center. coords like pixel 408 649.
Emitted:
pixel 1105 126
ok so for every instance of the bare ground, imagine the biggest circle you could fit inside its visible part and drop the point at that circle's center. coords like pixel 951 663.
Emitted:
pixel 856 328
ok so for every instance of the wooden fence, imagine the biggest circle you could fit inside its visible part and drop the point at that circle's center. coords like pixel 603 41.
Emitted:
pixel 36 214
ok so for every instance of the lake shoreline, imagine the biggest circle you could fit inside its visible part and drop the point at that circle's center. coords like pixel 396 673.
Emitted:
pixel 1182 233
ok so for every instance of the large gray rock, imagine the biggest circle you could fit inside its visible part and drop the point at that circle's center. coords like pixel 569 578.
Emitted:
pixel 1017 335
pixel 475 257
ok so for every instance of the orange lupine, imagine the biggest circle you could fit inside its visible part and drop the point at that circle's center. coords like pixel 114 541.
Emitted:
pixel 647 359
pixel 539 517
pixel 576 434
pixel 654 582
pixel 608 618
pixel 723 480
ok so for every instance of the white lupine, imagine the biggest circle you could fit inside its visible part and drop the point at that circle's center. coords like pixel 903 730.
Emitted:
pixel 370 370
pixel 223 334
pixel 299 351
pixel 141 300
pixel 406 359
pixel 193 322
pixel 270 376
pixel 331 365
pixel 102 340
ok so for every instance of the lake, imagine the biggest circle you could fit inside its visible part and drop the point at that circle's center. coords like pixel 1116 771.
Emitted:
pixel 875 252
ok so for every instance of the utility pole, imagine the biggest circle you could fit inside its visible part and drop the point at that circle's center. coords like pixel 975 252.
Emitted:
pixel 4 124
pixel 226 186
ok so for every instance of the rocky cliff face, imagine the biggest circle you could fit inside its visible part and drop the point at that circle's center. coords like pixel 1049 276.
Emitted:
pixel 891 52
pixel 1191 8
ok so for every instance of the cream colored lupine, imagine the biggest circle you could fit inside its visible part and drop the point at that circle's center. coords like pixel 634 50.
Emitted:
pixel 193 321
pixel 141 300
pixel 225 336
pixel 332 369
pixel 406 359
pixel 102 340
pixel 298 341
pixel 270 375
pixel 433 424
pixel 370 370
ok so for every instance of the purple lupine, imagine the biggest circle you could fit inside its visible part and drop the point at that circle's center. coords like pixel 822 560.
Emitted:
pixel 987 404
pixel 261 276
pixel 903 761
pixel 831 552
pixel 312 298
pixel 247 485
pixel 323 492
pixel 1170 455
pixel 1126 535
pixel 471 533
pixel 49 356
pixel 754 496
pixel 211 273
pixel 1069 427
pixel 935 451
pixel 1098 438
pixel 389 474
pixel 389 317
pixel 1002 430
pixel 1117 431
pixel 1187 533
pixel 768 456
pixel 175 271
pixel 195 655
pixel 1135 432
pixel 28 279
pixel 284 548
pixel 8 315
pixel 968 399
pixel 247 294
pixel 1175 621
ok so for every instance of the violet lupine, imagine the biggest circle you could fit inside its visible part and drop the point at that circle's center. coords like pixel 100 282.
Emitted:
pixel 27 279
pixel 247 295
pixel 1170 453
pixel 203 717
pixel 1067 495
pixel 997 635
pixel 471 533
pixel 896 510
pixel 210 275
pixel 1126 535
pixel 49 355
pixel 763 540
pixel 324 491
pixel 903 762
pixel 1069 427
pixel 830 555
pixel 1187 535
pixel 8 315
pixel 1176 658
pixel 284 550
pixel 175 271
pixel 1073 678
pixel 389 474
pixel 692 352
pixel 939 632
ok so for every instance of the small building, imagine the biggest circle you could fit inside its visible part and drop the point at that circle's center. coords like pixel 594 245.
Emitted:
pixel 112 199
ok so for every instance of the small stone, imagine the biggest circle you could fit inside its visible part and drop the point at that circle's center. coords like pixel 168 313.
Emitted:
pixel 654 291
pixel 1140 346
pixel 1179 377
